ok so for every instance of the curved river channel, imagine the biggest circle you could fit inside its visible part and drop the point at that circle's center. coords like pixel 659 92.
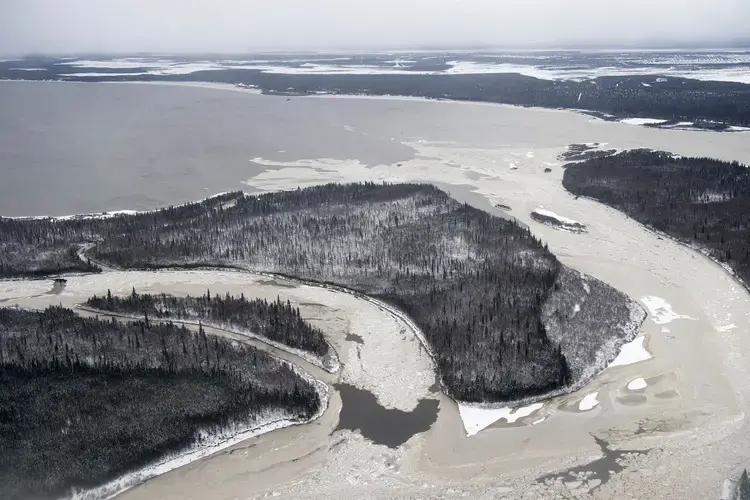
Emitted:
pixel 673 426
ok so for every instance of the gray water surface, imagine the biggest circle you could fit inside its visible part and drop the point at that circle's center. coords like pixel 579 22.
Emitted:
pixel 68 148
pixel 360 411
pixel 84 147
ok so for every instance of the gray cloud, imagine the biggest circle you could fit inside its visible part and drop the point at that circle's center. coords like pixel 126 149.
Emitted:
pixel 64 26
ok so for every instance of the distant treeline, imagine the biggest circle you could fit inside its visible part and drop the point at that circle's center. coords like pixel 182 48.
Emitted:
pixel 696 200
pixel 474 283
pixel 674 99
pixel 277 321
pixel 40 247
pixel 83 400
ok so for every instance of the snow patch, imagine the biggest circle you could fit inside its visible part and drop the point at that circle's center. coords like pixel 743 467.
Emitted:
pixel 557 221
pixel 589 402
pixel 476 419
pixel 632 352
pixel 637 384
pixel 549 213
pixel 642 121
pixel 661 311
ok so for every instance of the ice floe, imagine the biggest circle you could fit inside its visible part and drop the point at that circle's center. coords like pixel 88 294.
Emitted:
pixel 661 311
pixel 589 402
pixel 637 384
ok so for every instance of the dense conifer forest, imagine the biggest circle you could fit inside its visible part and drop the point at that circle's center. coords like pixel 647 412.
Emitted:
pixel 277 321
pixel 83 400
pixel 699 201
pixel 474 283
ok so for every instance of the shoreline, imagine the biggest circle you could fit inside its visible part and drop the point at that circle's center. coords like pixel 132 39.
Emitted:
pixel 141 476
pixel 591 114
pixel 726 268
pixel 110 213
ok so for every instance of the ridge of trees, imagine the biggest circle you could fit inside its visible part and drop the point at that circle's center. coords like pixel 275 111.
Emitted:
pixel 277 320
pixel 84 400
pixel 709 104
pixel 699 201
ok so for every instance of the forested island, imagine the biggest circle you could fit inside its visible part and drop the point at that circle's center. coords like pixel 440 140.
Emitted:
pixel 503 318
pixel 276 321
pixel 83 400
pixel 699 201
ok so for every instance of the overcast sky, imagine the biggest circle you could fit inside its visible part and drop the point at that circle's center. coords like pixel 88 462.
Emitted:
pixel 68 26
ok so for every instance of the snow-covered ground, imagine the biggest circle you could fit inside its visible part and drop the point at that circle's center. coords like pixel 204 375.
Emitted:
pixel 632 352
pixel 725 66
pixel 476 418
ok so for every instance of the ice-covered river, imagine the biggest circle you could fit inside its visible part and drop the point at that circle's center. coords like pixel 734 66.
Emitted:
pixel 683 411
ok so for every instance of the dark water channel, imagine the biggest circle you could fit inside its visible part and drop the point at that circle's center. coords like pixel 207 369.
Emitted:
pixel 390 427
pixel 604 468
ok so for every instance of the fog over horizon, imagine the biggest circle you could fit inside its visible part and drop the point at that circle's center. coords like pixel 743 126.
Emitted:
pixel 236 26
